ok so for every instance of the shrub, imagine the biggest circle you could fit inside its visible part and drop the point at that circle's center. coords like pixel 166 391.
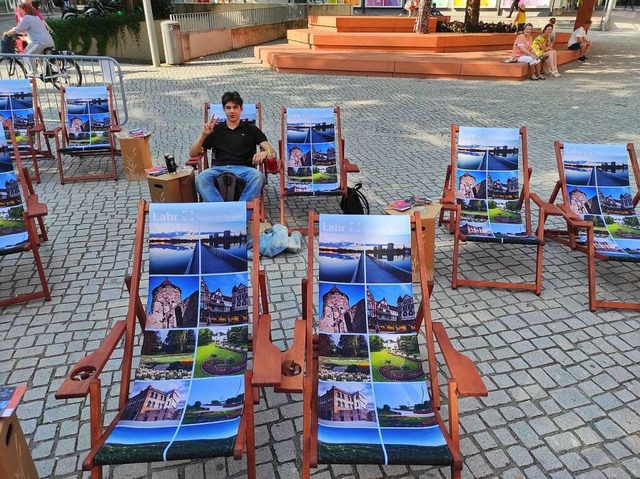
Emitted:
pixel 481 27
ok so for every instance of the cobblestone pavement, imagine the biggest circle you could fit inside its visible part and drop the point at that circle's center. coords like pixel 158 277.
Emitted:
pixel 564 397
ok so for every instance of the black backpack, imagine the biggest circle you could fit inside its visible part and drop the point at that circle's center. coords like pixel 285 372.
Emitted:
pixel 355 203
pixel 229 186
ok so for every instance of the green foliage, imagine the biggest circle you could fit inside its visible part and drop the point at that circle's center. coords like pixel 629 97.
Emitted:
pixel 77 34
pixel 238 337
pixel 375 343
pixel 15 213
pixel 205 337
pixel 480 27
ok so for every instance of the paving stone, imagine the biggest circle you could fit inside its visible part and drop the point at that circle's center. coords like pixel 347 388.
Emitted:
pixel 563 388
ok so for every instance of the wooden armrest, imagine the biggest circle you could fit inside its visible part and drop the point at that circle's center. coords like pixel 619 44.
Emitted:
pixel 294 358
pixel 77 382
pixel 546 206
pixel 448 198
pixel 350 167
pixel 461 367
pixel 572 218
pixel 266 356
pixel 53 132
pixel 36 209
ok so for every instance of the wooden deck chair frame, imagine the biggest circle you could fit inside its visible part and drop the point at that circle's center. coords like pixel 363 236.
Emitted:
pixel 344 164
pixel 62 137
pixel 34 211
pixel 39 143
pixel 84 378
pixel 464 381
pixel 568 237
pixel 450 205
pixel 201 162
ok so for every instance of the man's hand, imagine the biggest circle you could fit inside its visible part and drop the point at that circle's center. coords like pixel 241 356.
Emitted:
pixel 259 157
pixel 208 127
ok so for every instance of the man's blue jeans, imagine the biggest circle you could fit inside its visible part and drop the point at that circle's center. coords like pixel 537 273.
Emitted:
pixel 253 178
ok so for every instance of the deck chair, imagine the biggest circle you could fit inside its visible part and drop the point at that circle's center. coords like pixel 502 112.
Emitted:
pixel 18 230
pixel 483 196
pixel 19 101
pixel 367 399
pixel 192 395
pixel 598 207
pixel 312 152
pixel 88 123
pixel 251 114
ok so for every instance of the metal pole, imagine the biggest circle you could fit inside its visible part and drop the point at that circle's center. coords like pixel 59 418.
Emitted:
pixel 151 31
pixel 607 14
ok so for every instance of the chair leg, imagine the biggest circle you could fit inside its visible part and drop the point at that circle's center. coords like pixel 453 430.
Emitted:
pixel 43 278
pixel 539 270
pixel 43 230
pixel 454 269
pixel 591 279
pixel 60 168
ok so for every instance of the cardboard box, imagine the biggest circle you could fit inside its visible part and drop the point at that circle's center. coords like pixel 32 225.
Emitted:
pixel 136 155
pixel 15 457
pixel 179 187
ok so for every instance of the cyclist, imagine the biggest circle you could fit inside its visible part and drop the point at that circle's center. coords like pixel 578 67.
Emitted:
pixel 21 43
pixel 36 28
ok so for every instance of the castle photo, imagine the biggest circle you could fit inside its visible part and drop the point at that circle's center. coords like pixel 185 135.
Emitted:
pixel 342 308
pixel 173 302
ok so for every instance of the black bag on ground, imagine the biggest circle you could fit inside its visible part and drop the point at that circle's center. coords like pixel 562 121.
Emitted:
pixel 229 186
pixel 355 203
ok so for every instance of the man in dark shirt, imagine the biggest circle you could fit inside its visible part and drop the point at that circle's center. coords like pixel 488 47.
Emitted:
pixel 234 150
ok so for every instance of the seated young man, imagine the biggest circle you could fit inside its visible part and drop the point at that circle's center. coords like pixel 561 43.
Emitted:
pixel 233 144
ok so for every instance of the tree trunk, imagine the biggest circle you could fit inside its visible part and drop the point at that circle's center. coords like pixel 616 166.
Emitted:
pixel 472 12
pixel 128 6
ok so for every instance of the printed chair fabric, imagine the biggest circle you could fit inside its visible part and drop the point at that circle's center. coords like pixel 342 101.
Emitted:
pixel 487 185
pixel 599 191
pixel 88 118
pixel 188 394
pixel 312 152
pixel 373 402
pixel 13 231
pixel 16 102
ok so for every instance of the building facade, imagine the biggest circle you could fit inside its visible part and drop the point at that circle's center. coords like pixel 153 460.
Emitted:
pixel 339 405
pixel 152 404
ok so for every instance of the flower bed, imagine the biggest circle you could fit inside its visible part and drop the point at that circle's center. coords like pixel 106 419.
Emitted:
pixel 481 27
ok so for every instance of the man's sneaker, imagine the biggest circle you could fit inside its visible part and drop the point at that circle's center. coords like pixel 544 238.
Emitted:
pixel 582 59
pixel 585 58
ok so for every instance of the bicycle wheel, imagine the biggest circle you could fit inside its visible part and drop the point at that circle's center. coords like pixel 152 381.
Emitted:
pixel 16 69
pixel 65 73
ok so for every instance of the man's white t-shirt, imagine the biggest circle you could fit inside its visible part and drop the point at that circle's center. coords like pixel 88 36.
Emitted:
pixel 577 33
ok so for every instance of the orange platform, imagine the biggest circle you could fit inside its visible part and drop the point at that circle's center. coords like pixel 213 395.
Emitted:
pixel 339 46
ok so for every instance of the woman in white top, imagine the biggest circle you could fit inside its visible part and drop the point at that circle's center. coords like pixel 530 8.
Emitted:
pixel 39 36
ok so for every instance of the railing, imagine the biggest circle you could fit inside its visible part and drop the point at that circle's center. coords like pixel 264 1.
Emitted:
pixel 191 22
pixel 53 71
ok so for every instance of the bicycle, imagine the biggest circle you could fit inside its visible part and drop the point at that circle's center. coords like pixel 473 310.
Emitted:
pixel 47 7
pixel 61 72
